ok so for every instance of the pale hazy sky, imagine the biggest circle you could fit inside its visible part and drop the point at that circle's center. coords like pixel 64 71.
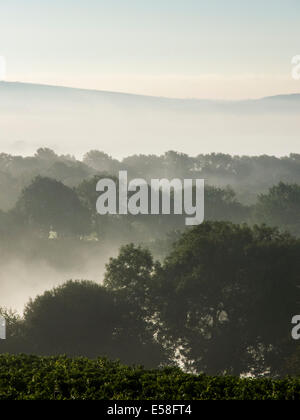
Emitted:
pixel 178 48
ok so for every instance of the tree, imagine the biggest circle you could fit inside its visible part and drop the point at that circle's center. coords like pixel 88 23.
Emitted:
pixel 106 226
pixel 47 204
pixel 46 154
pixel 14 333
pixel 134 271
pixel 101 161
pixel 280 207
pixel 291 364
pixel 86 319
pixel 221 204
pixel 228 293
pixel 76 318
pixel 133 277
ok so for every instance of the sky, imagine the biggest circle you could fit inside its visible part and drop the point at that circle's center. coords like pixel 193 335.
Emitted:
pixel 219 49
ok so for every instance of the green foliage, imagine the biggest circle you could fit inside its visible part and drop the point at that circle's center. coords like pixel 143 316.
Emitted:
pixel 220 303
pixel 61 378
pixel 82 318
pixel 280 207
pixel 47 204
pixel 101 162
pixel 132 269
pixel 227 296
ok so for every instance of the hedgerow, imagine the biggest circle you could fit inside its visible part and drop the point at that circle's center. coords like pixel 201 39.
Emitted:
pixel 63 378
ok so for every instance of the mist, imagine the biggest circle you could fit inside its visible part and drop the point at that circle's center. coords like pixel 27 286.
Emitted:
pixel 76 120
pixel 22 279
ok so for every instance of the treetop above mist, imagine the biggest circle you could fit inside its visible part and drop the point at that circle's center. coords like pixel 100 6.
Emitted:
pixel 247 175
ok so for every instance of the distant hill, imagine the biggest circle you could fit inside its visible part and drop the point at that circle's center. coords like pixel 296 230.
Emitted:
pixel 76 120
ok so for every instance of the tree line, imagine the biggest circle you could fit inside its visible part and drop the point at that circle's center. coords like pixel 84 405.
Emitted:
pixel 248 175
pixel 47 205
pixel 221 302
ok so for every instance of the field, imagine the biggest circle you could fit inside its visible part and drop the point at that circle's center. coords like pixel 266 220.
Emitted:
pixel 47 378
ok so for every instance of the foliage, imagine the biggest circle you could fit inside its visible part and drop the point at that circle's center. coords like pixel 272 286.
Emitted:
pixel 227 296
pixel 85 319
pixel 220 303
pixel 61 378
pixel 47 204
pixel 280 207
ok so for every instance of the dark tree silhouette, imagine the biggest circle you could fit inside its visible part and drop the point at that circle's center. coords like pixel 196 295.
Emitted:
pixel 47 205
